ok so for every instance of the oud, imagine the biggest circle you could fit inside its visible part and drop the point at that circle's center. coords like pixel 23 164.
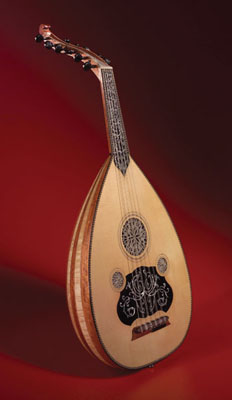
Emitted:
pixel 128 286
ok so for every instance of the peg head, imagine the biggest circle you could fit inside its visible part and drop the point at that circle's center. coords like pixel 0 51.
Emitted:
pixel 79 53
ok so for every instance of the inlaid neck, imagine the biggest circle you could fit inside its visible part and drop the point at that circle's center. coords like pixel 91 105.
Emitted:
pixel 117 139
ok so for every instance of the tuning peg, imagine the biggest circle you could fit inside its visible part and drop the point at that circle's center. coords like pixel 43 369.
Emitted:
pixel 87 66
pixel 39 38
pixel 67 51
pixel 78 57
pixel 48 44
pixel 58 48
pixel 67 40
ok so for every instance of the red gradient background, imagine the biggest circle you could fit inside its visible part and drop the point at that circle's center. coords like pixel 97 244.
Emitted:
pixel 172 64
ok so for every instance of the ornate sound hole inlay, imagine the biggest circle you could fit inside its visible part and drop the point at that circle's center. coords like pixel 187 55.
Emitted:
pixel 162 265
pixel 134 236
pixel 145 293
pixel 117 280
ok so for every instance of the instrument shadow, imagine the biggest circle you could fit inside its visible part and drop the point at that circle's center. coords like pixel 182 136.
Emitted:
pixel 36 328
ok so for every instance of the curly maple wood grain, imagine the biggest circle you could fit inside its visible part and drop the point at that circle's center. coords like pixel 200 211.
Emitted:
pixel 78 274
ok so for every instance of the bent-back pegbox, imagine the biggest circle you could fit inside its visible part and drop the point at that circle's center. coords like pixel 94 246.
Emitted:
pixel 128 286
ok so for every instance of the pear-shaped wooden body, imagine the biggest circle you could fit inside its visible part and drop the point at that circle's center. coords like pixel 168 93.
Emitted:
pixel 98 251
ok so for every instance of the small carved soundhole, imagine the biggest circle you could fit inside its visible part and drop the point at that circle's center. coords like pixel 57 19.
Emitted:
pixel 134 236
pixel 162 265
pixel 118 280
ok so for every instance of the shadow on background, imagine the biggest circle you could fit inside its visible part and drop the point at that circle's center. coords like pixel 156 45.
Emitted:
pixel 36 328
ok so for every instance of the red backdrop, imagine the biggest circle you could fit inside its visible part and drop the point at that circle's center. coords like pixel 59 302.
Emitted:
pixel 171 64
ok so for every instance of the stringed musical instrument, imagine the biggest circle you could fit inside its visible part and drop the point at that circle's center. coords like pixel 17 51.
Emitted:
pixel 128 286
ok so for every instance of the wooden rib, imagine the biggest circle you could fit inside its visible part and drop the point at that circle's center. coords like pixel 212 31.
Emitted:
pixel 78 277
pixel 71 269
pixel 90 330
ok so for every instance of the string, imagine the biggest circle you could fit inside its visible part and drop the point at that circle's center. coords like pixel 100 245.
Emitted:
pixel 132 190
pixel 123 197
pixel 128 199
pixel 132 206
pixel 146 257
pixel 147 253
pixel 110 110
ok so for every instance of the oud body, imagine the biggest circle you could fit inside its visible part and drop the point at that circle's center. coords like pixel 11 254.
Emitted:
pixel 128 285
pixel 97 253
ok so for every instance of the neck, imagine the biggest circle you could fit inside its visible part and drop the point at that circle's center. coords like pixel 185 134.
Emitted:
pixel 116 133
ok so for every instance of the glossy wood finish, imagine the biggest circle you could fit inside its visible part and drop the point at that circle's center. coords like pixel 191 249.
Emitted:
pixel 120 191
pixel 97 251
pixel 73 49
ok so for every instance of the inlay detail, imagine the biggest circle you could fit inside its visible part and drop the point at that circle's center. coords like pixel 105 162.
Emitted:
pixel 117 133
pixel 118 280
pixel 134 236
pixel 162 264
pixel 145 293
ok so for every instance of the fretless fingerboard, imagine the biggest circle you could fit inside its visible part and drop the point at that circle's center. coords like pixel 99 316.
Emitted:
pixel 114 121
